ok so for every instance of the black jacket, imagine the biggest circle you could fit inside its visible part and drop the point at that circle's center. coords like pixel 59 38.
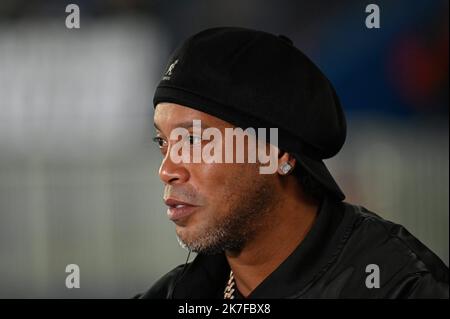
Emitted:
pixel 331 262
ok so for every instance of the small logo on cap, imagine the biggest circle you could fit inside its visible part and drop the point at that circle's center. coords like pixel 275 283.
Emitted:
pixel 170 70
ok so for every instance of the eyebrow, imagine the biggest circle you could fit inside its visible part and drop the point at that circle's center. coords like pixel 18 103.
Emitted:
pixel 186 125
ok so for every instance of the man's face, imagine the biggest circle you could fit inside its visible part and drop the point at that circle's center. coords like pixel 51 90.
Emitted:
pixel 215 206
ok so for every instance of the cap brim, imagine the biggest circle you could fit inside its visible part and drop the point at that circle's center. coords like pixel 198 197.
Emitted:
pixel 318 170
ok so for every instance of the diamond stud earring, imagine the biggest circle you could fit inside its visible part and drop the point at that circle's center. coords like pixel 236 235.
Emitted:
pixel 285 168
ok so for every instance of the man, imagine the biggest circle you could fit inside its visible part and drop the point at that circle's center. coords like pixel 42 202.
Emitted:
pixel 283 234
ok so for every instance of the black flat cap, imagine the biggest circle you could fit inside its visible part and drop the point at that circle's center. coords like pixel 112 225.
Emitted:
pixel 255 79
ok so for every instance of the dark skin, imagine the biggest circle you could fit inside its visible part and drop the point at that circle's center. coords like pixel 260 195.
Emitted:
pixel 218 188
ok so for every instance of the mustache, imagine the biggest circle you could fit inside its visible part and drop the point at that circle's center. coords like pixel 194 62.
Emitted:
pixel 183 193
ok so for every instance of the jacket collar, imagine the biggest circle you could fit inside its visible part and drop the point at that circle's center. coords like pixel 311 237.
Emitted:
pixel 207 275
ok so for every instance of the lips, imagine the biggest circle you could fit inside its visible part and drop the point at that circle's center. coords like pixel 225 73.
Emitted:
pixel 179 209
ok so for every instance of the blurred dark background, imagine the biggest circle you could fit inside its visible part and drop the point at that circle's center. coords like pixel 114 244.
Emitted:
pixel 78 171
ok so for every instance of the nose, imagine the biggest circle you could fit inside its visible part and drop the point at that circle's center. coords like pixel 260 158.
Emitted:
pixel 172 173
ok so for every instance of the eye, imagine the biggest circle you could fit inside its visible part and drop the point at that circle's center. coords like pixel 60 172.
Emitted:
pixel 159 141
pixel 193 140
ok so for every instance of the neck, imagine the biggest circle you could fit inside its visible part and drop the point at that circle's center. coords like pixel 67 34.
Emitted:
pixel 285 228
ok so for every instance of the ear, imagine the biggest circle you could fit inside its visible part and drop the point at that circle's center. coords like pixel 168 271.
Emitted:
pixel 286 163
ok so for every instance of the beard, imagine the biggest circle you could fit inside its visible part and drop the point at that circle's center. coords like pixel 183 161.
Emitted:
pixel 245 219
